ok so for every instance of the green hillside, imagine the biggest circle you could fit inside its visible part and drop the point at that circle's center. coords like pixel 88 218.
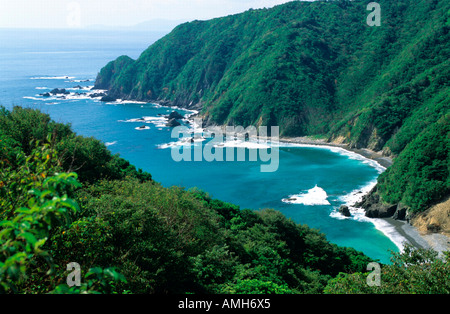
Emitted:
pixel 314 68
pixel 130 235
pixel 133 235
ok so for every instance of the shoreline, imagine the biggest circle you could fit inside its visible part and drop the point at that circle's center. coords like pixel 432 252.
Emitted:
pixel 410 234
pixel 365 152
pixel 437 241
pixel 403 229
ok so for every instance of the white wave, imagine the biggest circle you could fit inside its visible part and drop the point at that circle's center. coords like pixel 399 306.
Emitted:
pixel 157 121
pixel 33 98
pixel 144 127
pixel 356 195
pixel 358 214
pixel 133 120
pixel 389 230
pixel 110 143
pixel 314 196
pixel 81 81
pixel 78 89
pixel 164 146
pixel 184 141
pixel 121 101
pixel 71 96
pixel 351 199
pixel 42 87
pixel 52 78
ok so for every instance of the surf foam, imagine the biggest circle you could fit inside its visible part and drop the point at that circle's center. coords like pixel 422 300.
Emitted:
pixel 359 214
pixel 52 78
pixel 314 196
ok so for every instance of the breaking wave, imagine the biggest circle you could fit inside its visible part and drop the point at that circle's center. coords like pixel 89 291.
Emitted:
pixel 314 196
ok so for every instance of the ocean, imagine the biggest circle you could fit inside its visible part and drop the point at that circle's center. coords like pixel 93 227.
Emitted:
pixel 309 185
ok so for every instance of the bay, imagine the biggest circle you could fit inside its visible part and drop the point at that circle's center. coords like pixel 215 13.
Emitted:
pixel 309 185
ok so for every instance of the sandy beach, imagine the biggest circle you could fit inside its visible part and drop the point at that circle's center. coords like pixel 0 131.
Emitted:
pixel 436 241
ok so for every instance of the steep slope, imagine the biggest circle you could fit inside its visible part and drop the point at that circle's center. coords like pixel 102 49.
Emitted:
pixel 314 68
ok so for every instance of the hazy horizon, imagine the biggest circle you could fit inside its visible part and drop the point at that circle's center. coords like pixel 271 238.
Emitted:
pixel 84 14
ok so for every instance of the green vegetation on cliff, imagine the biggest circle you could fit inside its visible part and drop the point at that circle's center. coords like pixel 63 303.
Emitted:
pixel 314 68
pixel 131 235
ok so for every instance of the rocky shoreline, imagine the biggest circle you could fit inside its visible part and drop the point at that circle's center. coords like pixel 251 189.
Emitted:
pixel 393 214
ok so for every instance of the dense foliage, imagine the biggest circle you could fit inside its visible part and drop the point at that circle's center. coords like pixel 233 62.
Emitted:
pixel 422 172
pixel 415 271
pixel 161 239
pixel 129 234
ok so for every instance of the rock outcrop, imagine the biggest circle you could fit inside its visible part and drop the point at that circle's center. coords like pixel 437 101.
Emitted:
pixel 172 123
pixel 108 98
pixel 375 207
pixel 344 211
pixel 175 115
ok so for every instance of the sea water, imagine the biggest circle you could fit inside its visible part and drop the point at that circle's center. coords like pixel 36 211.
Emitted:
pixel 309 185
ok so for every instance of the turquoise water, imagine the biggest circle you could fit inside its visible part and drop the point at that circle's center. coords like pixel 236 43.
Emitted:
pixel 318 180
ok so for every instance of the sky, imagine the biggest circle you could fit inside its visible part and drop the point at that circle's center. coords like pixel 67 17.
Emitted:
pixel 85 13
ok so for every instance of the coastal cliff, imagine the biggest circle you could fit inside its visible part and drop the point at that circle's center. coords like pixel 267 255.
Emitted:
pixel 317 68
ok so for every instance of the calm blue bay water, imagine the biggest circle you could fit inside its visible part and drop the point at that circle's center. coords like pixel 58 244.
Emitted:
pixel 316 180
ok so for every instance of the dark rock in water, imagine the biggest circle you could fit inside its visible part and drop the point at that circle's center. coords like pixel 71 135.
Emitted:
pixel 175 115
pixel 94 95
pixel 108 98
pixel 78 87
pixel 344 211
pixel 173 123
pixel 57 91
pixel 46 95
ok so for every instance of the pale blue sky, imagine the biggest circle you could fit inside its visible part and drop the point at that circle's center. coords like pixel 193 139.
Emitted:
pixel 83 13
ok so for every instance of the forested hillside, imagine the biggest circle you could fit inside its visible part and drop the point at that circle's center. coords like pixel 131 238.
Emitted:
pixel 316 68
pixel 129 234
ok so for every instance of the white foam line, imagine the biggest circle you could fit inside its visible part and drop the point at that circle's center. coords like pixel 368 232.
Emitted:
pixel 52 78
pixel 358 214
pixel 342 151
pixel 110 143
pixel 33 98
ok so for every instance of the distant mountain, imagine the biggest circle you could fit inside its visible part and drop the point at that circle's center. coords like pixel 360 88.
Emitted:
pixel 317 68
